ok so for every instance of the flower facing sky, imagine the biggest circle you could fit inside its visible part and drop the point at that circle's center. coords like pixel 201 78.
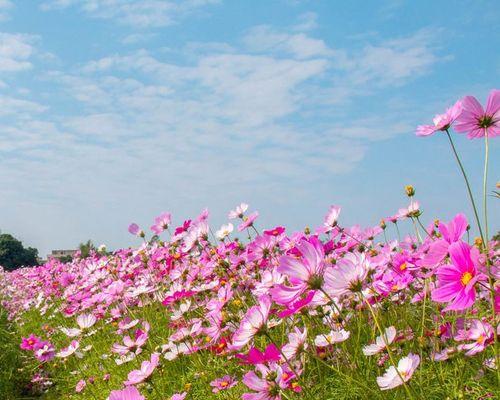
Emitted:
pixel 479 122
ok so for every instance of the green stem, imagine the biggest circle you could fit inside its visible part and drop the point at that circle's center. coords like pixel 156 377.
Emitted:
pixel 467 184
pixel 389 352
pixel 486 250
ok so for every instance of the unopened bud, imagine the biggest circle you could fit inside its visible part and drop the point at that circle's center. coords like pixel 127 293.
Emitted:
pixel 410 191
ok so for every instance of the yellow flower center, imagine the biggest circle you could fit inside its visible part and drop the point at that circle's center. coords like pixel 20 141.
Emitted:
pixel 224 384
pixel 481 339
pixel 466 277
pixel 402 267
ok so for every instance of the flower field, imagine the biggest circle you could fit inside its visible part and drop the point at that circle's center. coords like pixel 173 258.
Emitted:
pixel 331 312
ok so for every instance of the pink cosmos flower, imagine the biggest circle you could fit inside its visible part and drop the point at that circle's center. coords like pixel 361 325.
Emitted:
pixel 135 230
pixel 303 273
pixel 451 233
pixel 381 342
pixel 30 342
pixel 224 383
pixel 254 320
pixel 406 368
pixel 298 305
pixel 296 343
pixel 441 121
pixel 179 396
pixel 161 223
pixel 44 351
pixel 248 221
pixel 481 333
pixel 478 122
pixel 147 368
pixel 131 345
pixel 456 281
pixel 129 393
pixel 267 386
pixel 80 386
pixel 331 218
pixel 347 275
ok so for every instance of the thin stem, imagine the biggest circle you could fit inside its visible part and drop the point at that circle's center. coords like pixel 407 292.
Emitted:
pixel 467 184
pixel 486 251
pixel 389 352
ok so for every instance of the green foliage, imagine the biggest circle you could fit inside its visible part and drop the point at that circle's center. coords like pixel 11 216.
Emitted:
pixel 14 255
pixel 86 248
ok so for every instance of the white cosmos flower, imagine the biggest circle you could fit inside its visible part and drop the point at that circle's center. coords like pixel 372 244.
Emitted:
pixel 71 332
pixel 381 342
pixel 328 339
pixel 85 321
pixel 224 231
pixel 67 351
pixel 238 212
pixel 393 378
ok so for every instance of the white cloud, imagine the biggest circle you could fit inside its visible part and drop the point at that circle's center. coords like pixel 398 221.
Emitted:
pixel 15 51
pixel 5 7
pixel 265 39
pixel 142 14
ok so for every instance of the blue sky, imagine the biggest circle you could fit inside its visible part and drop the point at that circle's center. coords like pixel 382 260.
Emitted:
pixel 112 111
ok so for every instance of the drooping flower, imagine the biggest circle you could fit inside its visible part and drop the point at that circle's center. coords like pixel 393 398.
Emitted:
pixel 224 383
pixel 129 393
pixel 248 221
pixel 296 344
pixel 179 396
pixel 456 281
pixel 441 122
pixel 331 218
pixel 393 378
pixel 479 122
pixel 147 367
pixel 135 230
pixel 381 342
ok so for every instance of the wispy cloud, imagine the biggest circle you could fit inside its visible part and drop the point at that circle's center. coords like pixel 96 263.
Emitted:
pixel 142 14
pixel 15 51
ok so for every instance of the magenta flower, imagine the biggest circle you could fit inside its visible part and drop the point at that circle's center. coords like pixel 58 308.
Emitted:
pixel 456 281
pixel 255 356
pixel 129 393
pixel 478 122
pixel 30 342
pixel 224 383
pixel 147 368
pixel 441 122
pixel 179 396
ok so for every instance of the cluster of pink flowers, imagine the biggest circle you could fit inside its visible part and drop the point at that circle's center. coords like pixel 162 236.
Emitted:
pixel 225 296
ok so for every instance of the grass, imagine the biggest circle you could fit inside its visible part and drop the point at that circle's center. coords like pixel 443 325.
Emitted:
pixel 335 379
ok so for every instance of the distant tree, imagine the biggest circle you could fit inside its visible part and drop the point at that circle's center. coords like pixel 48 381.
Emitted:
pixel 14 255
pixel 86 248
pixel 66 259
